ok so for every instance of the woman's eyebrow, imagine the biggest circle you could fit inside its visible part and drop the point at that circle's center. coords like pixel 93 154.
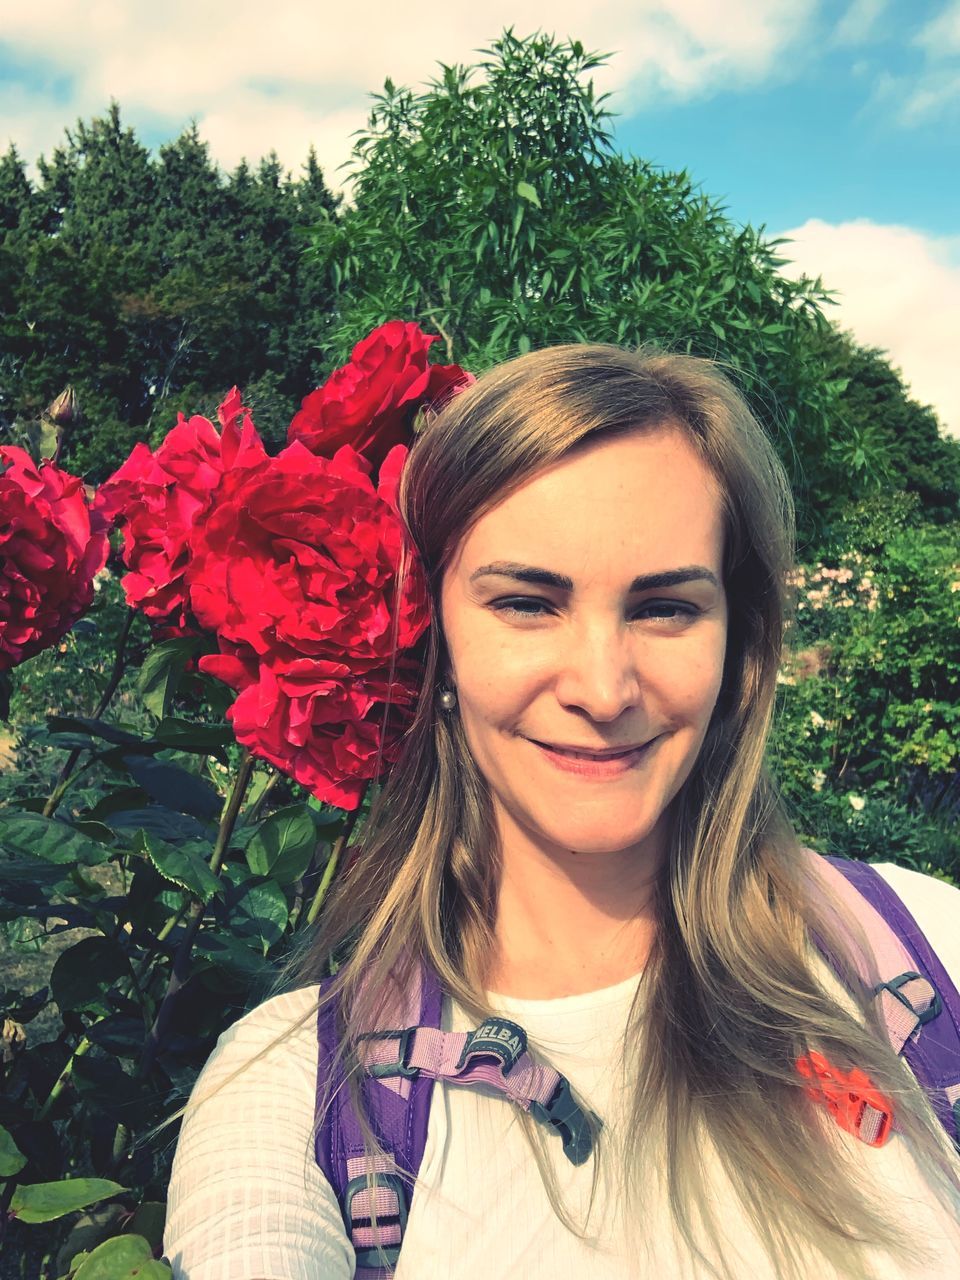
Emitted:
pixel 546 578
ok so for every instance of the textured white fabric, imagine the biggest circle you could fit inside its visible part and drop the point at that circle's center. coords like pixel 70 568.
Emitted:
pixel 248 1202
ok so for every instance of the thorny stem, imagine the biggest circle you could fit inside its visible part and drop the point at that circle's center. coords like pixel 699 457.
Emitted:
pixel 64 1075
pixel 116 675
pixel 180 971
pixel 332 862
pixel 254 811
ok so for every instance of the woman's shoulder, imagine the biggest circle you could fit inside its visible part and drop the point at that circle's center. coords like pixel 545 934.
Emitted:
pixel 246 1196
pixel 281 1014
pixel 934 905
pixel 273 1044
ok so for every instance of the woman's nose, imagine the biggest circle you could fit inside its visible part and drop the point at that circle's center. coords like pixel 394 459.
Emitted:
pixel 599 673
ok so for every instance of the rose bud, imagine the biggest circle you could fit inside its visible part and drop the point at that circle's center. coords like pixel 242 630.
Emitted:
pixel 64 411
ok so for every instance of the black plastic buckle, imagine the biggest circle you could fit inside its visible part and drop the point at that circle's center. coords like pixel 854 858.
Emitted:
pixel 894 985
pixel 569 1120
pixel 402 1066
pixel 383 1255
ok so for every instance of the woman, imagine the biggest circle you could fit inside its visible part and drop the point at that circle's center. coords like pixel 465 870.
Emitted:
pixel 580 837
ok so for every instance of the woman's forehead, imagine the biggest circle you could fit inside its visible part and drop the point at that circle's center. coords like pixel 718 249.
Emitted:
pixel 647 495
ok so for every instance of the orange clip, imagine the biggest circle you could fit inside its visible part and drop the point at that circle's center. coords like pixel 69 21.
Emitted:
pixel 847 1097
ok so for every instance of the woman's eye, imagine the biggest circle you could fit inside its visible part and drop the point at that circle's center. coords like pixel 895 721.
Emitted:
pixel 521 606
pixel 668 610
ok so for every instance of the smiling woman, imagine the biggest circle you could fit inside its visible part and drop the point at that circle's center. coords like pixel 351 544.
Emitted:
pixel 578 891
pixel 585 694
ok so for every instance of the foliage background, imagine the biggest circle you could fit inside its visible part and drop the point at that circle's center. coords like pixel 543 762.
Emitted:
pixel 171 871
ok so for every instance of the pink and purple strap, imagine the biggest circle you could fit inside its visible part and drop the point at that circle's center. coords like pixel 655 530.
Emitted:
pixel 920 1003
pixel 401 1066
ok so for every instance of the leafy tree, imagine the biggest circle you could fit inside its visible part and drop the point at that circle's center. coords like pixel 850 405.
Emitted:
pixel 493 207
pixel 153 284
pixel 16 194
pixel 902 435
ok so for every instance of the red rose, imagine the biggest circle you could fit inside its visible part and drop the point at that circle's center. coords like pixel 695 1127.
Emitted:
pixel 295 568
pixel 51 546
pixel 371 402
pixel 317 723
pixel 299 557
pixel 159 498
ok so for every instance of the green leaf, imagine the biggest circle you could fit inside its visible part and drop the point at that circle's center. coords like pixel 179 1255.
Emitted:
pixel 162 672
pixel 163 823
pixel 85 972
pixel 50 839
pixel 175 787
pixel 180 865
pixel 283 845
pixel 527 192
pixel 185 735
pixel 148 1220
pixel 230 954
pixel 260 914
pixel 12 1158
pixel 126 1257
pixel 90 728
pixel 121 1034
pixel 105 1087
pixel 45 1201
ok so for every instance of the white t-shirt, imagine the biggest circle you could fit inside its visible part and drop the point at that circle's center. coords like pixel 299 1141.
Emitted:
pixel 248 1202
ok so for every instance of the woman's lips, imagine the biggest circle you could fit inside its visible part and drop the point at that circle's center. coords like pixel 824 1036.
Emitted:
pixel 589 764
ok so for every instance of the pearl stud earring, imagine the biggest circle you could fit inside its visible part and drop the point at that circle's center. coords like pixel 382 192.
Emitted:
pixel 447 699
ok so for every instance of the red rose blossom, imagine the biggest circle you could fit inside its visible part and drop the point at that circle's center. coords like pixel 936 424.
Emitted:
pixel 160 497
pixel 295 569
pixel 299 557
pixel 371 402
pixel 51 546
pixel 317 722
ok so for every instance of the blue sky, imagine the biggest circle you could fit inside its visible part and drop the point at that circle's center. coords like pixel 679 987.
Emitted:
pixel 830 134
pixel 835 121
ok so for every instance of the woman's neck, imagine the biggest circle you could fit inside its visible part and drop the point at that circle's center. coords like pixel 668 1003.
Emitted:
pixel 570 922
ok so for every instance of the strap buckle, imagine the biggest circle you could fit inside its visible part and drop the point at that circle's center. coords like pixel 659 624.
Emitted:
pixel 894 985
pixel 383 1255
pixel 563 1114
pixel 851 1098
pixel 401 1067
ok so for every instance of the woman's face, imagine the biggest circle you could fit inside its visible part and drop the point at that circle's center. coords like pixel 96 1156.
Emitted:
pixel 586 625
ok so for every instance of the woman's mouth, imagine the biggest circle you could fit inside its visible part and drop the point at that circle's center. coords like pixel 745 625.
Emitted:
pixel 609 762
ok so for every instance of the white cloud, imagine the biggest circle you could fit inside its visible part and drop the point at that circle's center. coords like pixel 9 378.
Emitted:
pixel 859 23
pixel 941 35
pixel 930 96
pixel 930 91
pixel 898 289
pixel 299 71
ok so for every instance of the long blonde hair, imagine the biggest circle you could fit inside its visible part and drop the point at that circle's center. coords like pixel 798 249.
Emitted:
pixel 731 994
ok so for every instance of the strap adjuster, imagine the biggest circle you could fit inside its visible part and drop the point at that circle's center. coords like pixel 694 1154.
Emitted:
pixel 384 1255
pixel 894 985
pixel 401 1067
pixel 564 1115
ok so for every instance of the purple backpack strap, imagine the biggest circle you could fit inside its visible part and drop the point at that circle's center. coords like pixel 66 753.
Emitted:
pixel 925 1029
pixel 397 1107
pixel 400 1068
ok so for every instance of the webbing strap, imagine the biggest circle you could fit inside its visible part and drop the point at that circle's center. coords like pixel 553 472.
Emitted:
pixel 375 1195
pixel 496 1055
pixel 447 1055
pixel 919 1000
pixel 907 999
